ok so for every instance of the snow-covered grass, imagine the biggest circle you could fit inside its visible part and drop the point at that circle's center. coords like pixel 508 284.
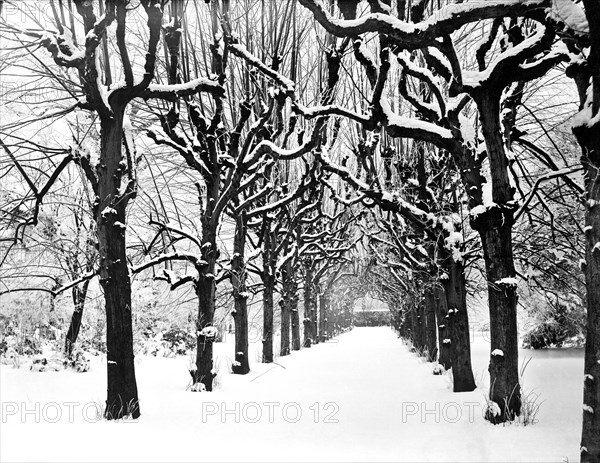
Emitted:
pixel 362 397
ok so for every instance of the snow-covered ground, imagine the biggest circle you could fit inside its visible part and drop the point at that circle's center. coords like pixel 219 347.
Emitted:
pixel 362 397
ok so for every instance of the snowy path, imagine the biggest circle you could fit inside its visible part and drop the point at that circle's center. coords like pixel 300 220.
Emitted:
pixel 364 397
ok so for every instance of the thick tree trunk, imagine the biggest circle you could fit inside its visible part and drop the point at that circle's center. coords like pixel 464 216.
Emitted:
pixel 323 316
pixel 268 281
pixel 241 364
pixel 295 318
pixel 286 308
pixel 308 306
pixel 430 325
pixel 588 136
pixel 495 229
pixel 504 357
pixel 590 439
pixel 441 312
pixel 267 339
pixel 422 324
pixel 314 315
pixel 284 348
pixel 416 330
pixel 458 321
pixel 206 293
pixel 122 399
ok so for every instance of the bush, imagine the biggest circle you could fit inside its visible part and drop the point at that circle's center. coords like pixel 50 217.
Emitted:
pixel 79 361
pixel 563 327
pixel 174 341
pixel 179 341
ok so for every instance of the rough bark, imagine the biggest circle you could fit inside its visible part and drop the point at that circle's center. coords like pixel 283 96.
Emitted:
pixel 206 293
pixel 240 296
pixel 495 230
pixel 323 316
pixel 286 307
pixel 422 325
pixel 295 319
pixel 430 325
pixel 416 331
pixel 267 340
pixel 441 312
pixel 588 136
pixel 308 305
pixel 458 321
pixel 122 399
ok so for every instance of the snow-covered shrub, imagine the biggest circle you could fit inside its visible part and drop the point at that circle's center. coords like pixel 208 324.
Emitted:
pixel 175 341
pixel 10 357
pixel 179 341
pixel 79 361
pixel 23 345
pixel 42 364
pixel 562 325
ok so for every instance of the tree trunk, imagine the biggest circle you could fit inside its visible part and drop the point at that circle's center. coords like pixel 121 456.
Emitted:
pixel 430 325
pixel 268 290
pixel 206 293
pixel 323 316
pixel 416 331
pixel 286 308
pixel 495 229
pixel 308 297
pixel 458 322
pixel 443 329
pixel 504 357
pixel 295 316
pixel 590 439
pixel 79 294
pixel 422 324
pixel 314 315
pixel 241 364
pixel 122 398
pixel 588 136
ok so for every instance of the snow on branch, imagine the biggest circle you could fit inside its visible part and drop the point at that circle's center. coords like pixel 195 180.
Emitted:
pixel 266 147
pixel 173 92
pixel 384 199
pixel 425 75
pixel 412 36
pixel 405 127
pixel 241 51
pixel 55 292
pixel 510 65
